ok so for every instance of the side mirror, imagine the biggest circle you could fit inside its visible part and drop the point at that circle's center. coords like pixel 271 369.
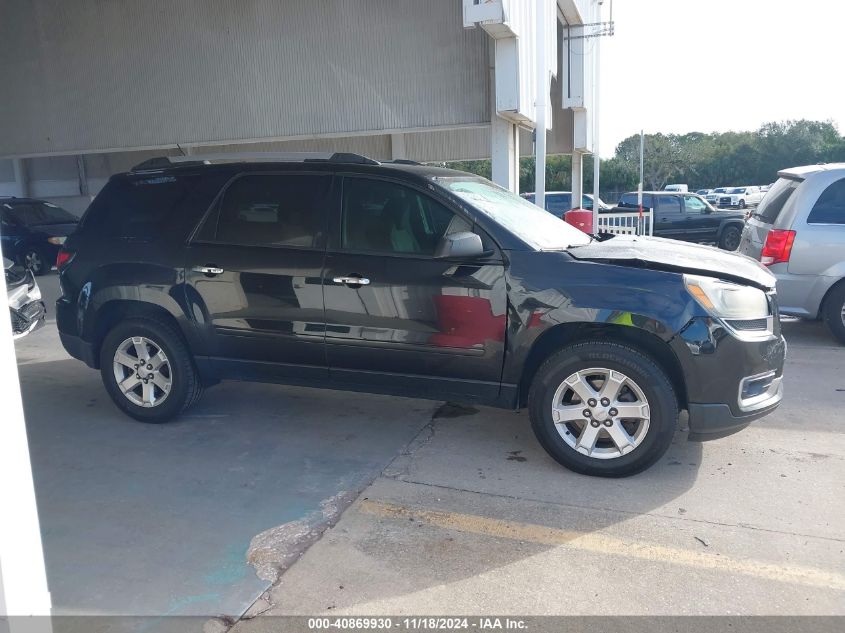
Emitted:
pixel 463 244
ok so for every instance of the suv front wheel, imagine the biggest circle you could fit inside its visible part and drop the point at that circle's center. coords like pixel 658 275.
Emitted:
pixel 148 371
pixel 603 408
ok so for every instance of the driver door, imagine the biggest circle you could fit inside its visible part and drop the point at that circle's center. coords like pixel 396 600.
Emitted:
pixel 398 318
pixel 702 225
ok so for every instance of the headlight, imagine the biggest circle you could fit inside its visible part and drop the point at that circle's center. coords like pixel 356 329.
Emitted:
pixel 58 241
pixel 728 300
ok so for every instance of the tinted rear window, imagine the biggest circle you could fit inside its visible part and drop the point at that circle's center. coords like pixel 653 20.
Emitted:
pixel 830 207
pixel 630 200
pixel 150 207
pixel 137 208
pixel 775 199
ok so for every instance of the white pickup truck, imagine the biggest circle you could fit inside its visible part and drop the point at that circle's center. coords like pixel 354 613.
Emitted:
pixel 740 197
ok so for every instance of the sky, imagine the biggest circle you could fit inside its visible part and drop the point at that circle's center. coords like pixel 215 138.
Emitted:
pixel 677 66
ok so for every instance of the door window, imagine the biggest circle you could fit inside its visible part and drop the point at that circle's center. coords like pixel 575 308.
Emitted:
pixel 385 217
pixel 274 210
pixel 669 204
pixel 830 207
pixel 694 205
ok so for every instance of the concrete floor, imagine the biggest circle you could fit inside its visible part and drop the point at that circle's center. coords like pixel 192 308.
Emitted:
pixel 471 518
pixel 476 519
pixel 157 520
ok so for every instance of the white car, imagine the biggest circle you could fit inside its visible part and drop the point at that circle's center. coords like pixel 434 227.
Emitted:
pixel 741 197
pixel 715 194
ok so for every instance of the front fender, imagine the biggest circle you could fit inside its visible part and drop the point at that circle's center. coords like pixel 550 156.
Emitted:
pixel 566 291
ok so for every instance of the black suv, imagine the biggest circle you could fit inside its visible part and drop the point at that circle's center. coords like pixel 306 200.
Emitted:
pixel 687 217
pixel 399 278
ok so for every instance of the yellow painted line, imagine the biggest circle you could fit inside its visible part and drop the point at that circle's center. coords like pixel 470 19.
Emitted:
pixel 609 545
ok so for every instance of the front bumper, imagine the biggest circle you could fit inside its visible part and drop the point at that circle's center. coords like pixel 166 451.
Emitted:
pixel 730 381
pixel 28 318
pixel 713 421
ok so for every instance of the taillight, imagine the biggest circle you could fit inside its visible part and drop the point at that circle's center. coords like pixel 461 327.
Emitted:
pixel 778 247
pixel 64 258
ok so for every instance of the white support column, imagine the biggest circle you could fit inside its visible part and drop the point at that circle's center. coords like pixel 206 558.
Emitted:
pixel 397 147
pixel 595 115
pixel 577 179
pixel 23 579
pixel 504 141
pixel 540 107
pixel 21 177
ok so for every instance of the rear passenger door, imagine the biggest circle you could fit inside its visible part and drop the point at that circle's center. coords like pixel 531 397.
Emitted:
pixel 399 319
pixel 254 273
pixel 820 244
pixel 669 217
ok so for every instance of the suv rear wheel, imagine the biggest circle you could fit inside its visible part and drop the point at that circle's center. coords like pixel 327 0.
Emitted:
pixel 148 371
pixel 834 311
pixel 603 408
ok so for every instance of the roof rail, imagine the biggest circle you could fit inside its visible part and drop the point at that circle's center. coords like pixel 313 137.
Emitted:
pixel 402 161
pixel 163 162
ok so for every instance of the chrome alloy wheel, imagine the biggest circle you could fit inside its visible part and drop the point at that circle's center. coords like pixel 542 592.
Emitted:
pixel 142 371
pixel 601 413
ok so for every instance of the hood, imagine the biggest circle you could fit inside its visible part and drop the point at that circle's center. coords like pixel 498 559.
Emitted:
pixel 54 230
pixel 664 254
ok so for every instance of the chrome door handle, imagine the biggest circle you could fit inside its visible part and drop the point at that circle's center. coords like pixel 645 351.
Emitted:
pixel 207 270
pixel 352 281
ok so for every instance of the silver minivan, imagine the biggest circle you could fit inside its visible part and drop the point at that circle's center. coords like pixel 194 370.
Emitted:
pixel 798 231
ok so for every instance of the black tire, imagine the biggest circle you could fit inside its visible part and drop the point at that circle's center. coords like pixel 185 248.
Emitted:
pixel 36 260
pixel 648 376
pixel 834 312
pixel 730 238
pixel 742 204
pixel 185 388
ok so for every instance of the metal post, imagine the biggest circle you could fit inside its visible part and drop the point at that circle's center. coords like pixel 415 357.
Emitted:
pixel 640 185
pixel 577 179
pixel 542 93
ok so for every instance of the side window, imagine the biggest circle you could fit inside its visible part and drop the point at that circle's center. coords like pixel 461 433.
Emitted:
pixel 694 205
pixel 830 207
pixel 628 200
pixel 385 217
pixel 669 204
pixel 274 210
pixel 558 203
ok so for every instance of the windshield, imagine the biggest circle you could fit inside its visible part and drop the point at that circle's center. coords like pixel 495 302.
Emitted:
pixel 720 190
pixel 531 224
pixel 738 190
pixel 32 213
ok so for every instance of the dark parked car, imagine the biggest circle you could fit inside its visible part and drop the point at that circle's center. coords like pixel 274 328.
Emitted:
pixel 559 202
pixel 687 217
pixel 32 231
pixel 418 281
